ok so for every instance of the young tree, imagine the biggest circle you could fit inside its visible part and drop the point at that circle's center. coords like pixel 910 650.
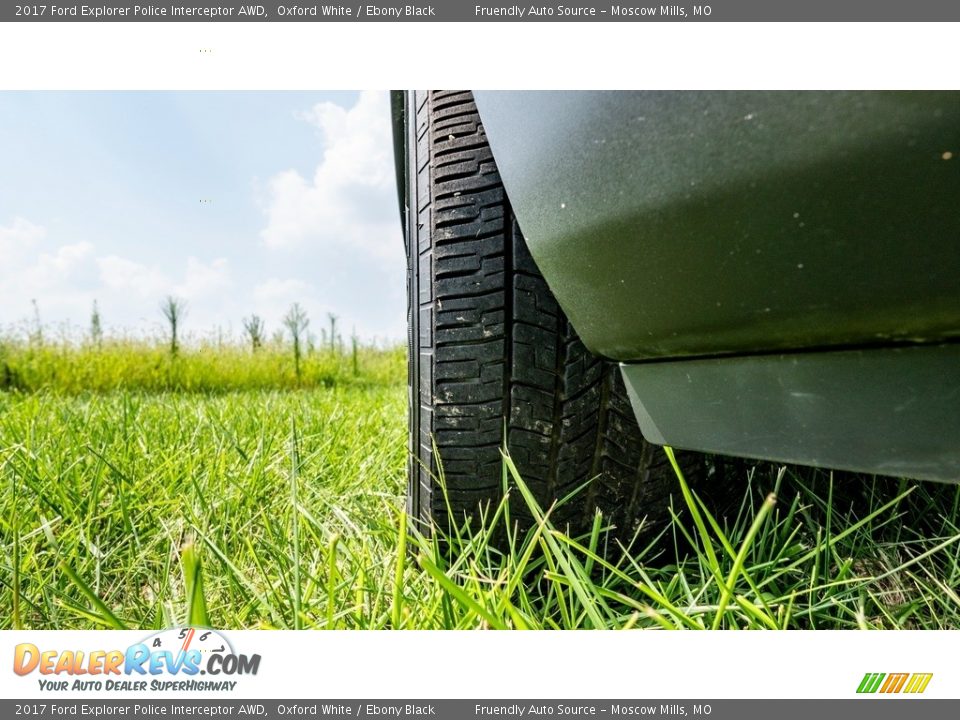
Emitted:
pixel 354 347
pixel 96 327
pixel 255 329
pixel 36 332
pixel 333 331
pixel 174 310
pixel 296 322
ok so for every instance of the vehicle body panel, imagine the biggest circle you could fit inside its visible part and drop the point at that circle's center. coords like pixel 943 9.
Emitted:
pixel 891 411
pixel 684 224
pixel 778 272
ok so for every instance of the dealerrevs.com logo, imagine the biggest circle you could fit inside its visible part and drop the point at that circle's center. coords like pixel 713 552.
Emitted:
pixel 169 660
pixel 889 683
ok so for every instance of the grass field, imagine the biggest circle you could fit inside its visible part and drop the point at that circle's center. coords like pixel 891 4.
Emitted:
pixel 217 487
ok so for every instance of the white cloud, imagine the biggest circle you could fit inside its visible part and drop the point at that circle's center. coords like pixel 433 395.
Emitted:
pixel 65 281
pixel 277 290
pixel 329 238
pixel 203 279
pixel 348 203
pixel 199 279
pixel 273 298
pixel 53 269
pixel 339 228
pixel 20 235
pixel 53 276
pixel 117 273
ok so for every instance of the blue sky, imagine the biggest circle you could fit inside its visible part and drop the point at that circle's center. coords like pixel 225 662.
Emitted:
pixel 101 198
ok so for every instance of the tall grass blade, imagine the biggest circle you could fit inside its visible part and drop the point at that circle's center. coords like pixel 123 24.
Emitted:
pixel 727 589
pixel 396 612
pixel 295 525
pixel 193 581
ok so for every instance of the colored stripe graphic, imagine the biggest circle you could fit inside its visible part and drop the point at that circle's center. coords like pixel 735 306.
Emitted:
pixel 893 683
pixel 918 682
pixel 870 682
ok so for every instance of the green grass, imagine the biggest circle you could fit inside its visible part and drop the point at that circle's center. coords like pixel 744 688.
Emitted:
pixel 278 504
pixel 203 366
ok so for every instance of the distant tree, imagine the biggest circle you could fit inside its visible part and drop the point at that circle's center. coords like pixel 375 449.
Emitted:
pixel 296 322
pixel 255 329
pixel 333 331
pixel 96 327
pixel 174 310
pixel 354 345
pixel 36 332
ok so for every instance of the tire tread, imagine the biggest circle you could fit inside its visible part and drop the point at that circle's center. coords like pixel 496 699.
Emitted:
pixel 492 346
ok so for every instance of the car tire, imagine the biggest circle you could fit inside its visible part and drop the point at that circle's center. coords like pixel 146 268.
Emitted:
pixel 493 359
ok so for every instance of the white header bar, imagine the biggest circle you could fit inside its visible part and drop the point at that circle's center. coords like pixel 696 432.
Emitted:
pixel 313 56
